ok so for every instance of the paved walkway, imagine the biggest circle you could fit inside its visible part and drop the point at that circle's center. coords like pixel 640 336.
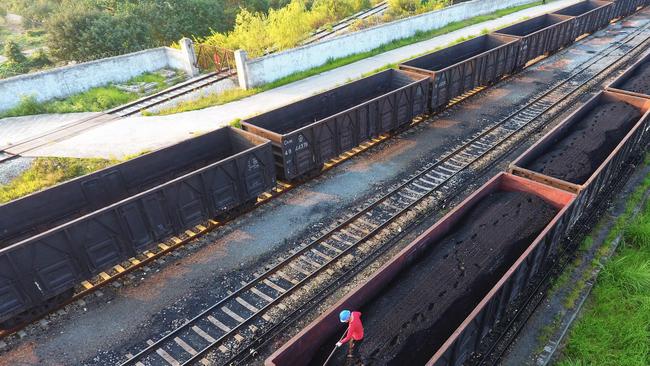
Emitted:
pixel 135 134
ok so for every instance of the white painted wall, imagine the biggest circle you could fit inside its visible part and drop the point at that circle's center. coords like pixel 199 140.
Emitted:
pixel 268 68
pixel 64 81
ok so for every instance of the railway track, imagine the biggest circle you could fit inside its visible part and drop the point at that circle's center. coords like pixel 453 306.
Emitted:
pixel 129 109
pixel 242 318
pixel 345 23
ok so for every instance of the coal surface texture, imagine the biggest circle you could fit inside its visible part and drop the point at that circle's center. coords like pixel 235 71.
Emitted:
pixel 419 310
pixel 640 81
pixel 587 143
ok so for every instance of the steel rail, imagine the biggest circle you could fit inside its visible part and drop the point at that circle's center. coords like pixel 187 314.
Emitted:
pixel 345 23
pixel 339 229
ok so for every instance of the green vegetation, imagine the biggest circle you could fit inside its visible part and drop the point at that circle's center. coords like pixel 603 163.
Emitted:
pixel 94 100
pixel 81 30
pixel 614 328
pixel 212 100
pixel 204 102
pixel 259 33
pixel 46 172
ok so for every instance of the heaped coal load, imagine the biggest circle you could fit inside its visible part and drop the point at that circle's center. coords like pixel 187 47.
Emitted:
pixel 421 307
pixel 639 82
pixel 308 133
pixel 585 145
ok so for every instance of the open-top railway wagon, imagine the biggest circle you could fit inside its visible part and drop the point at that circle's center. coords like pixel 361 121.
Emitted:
pixel 540 35
pixel 589 16
pixel 40 211
pixel 43 270
pixel 308 133
pixel 578 158
pixel 460 68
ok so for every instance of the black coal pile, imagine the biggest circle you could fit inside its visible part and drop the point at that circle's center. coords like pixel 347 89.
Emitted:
pixel 640 81
pixel 420 309
pixel 587 143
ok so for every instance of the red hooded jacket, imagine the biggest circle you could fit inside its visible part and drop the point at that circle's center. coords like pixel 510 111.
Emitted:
pixel 355 328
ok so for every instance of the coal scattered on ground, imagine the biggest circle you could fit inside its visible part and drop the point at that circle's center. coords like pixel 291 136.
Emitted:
pixel 587 143
pixel 420 309
pixel 640 81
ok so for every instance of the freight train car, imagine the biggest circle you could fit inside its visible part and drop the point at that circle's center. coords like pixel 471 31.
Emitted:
pixel 623 8
pixel 39 272
pixel 460 68
pixel 635 80
pixel 585 152
pixel 308 133
pixel 439 327
pixel 589 16
pixel 43 210
pixel 541 35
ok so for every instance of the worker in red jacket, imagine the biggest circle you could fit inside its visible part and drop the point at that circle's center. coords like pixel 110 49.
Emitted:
pixel 354 334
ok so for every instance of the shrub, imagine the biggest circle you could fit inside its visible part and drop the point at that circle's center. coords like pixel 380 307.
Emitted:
pixel 13 53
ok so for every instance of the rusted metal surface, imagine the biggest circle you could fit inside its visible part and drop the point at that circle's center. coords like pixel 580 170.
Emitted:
pixel 541 35
pixel 53 262
pixel 589 16
pixel 299 350
pixel 460 68
pixel 617 85
pixel 308 133
pixel 633 143
pixel 214 58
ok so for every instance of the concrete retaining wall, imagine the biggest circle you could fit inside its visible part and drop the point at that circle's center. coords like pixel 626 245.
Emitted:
pixel 265 69
pixel 64 81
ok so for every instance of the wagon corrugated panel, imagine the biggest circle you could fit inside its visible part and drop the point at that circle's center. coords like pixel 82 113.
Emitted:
pixel 460 68
pixel 299 350
pixel 541 35
pixel 623 8
pixel 589 16
pixel 634 143
pixel 310 132
pixel 52 262
pixel 43 210
pixel 617 85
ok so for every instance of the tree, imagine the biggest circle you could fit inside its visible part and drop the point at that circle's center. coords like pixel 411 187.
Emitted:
pixel 13 53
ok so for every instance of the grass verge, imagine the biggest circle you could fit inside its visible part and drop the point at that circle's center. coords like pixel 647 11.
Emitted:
pixel 213 100
pixel 46 172
pixel 614 327
pixel 92 100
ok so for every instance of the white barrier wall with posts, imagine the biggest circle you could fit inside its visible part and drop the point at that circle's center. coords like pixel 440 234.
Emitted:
pixel 255 72
pixel 64 81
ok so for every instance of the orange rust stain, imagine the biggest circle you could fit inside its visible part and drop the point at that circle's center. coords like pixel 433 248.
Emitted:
pixel 155 283
pixel 23 355
pixel 383 153
pixel 310 198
